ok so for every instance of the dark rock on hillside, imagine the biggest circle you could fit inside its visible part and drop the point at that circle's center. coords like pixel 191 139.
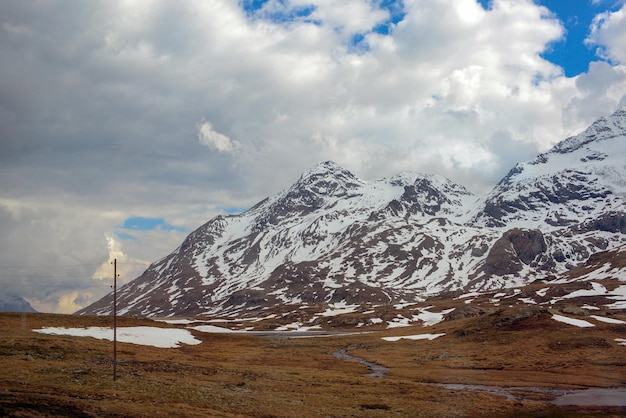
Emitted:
pixel 466 311
pixel 609 222
pixel 513 318
pixel 515 248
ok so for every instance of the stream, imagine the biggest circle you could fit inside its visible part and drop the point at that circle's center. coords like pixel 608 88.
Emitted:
pixel 377 369
pixel 559 397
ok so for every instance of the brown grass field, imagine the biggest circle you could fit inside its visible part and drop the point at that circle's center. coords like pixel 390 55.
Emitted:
pixel 252 376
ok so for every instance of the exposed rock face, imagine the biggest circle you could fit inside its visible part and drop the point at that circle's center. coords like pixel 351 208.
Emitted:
pixel 614 222
pixel 512 318
pixel 334 239
pixel 516 247
pixel 464 312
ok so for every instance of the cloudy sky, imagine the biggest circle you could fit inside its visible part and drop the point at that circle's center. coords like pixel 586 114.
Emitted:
pixel 124 125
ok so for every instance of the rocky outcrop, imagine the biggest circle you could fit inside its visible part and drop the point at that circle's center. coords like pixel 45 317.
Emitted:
pixel 516 247
pixel 609 222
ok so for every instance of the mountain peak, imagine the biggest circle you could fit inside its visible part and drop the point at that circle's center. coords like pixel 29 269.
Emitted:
pixel 326 168
pixel 602 140
pixel 555 188
pixel 317 188
pixel 602 129
pixel 326 178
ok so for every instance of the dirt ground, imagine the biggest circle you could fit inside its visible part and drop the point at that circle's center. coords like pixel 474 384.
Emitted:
pixel 250 376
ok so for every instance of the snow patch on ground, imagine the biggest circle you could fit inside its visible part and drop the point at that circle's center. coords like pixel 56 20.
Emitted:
pixel 571 321
pixel 608 320
pixel 431 318
pixel 153 336
pixel 339 309
pixel 399 321
pixel 212 329
pixel 618 294
pixel 598 290
pixel 429 337
pixel 297 326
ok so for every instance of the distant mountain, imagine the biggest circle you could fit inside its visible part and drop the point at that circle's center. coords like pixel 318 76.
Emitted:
pixel 14 303
pixel 332 239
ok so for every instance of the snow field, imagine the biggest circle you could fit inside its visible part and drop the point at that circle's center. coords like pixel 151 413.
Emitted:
pixel 151 336
pixel 571 321
pixel 428 337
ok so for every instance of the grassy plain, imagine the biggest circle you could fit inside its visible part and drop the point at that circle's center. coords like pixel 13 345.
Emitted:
pixel 237 375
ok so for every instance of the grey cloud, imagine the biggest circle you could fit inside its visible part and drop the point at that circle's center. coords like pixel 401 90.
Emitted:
pixel 601 90
pixel 44 252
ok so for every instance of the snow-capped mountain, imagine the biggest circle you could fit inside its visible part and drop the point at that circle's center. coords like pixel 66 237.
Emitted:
pixel 332 239
pixel 556 188
pixel 560 207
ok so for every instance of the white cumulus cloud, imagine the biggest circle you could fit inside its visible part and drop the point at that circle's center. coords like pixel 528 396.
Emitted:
pixel 215 140
pixel 608 31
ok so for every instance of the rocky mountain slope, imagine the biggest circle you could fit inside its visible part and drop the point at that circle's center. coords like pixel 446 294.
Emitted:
pixel 332 240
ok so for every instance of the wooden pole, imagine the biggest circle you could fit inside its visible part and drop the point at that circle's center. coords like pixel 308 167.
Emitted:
pixel 114 319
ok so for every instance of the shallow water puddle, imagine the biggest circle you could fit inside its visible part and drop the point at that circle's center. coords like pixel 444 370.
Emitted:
pixel 559 397
pixel 594 396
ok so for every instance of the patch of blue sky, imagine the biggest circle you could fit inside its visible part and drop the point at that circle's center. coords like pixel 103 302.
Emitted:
pixel 572 53
pixel 486 4
pixel 282 14
pixel 251 6
pixel 124 236
pixel 358 45
pixel 395 8
pixel 396 15
pixel 140 223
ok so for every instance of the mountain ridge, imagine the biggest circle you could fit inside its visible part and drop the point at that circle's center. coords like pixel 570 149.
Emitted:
pixel 334 239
